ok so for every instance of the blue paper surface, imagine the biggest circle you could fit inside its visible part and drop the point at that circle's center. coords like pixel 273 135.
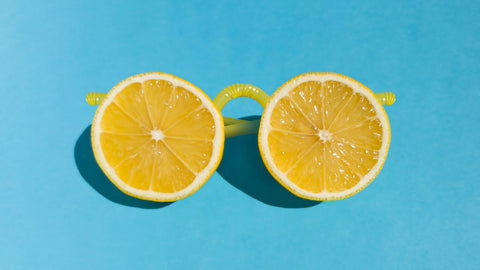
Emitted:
pixel 59 212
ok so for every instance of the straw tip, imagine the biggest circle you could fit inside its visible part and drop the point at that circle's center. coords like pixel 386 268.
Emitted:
pixel 95 98
pixel 391 98
pixel 91 98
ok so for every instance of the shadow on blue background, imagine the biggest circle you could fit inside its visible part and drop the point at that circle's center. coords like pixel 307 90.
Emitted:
pixel 94 176
pixel 243 168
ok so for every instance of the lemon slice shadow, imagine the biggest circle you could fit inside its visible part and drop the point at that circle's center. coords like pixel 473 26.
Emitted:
pixel 94 176
pixel 244 169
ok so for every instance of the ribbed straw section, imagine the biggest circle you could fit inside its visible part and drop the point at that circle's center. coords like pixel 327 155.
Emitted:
pixel 240 90
pixel 387 98
pixel 95 98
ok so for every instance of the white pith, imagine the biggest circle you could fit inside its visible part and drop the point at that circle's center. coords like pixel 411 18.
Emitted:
pixel 157 135
pixel 200 178
pixel 324 135
pixel 265 128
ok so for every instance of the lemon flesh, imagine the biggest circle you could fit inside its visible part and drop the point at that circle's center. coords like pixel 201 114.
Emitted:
pixel 157 137
pixel 324 136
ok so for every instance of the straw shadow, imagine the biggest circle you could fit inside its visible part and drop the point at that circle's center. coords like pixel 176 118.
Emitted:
pixel 242 167
pixel 94 176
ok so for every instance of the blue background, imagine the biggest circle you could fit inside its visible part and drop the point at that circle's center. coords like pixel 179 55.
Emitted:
pixel 57 210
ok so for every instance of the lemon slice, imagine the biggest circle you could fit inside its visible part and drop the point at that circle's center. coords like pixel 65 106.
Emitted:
pixel 157 137
pixel 324 136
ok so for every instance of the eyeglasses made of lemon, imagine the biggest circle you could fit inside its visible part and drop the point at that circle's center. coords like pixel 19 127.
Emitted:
pixel 323 136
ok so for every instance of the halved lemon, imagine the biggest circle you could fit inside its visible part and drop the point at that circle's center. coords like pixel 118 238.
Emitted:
pixel 157 137
pixel 324 136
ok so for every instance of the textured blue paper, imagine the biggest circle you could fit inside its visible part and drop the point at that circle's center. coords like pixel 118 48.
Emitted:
pixel 57 211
